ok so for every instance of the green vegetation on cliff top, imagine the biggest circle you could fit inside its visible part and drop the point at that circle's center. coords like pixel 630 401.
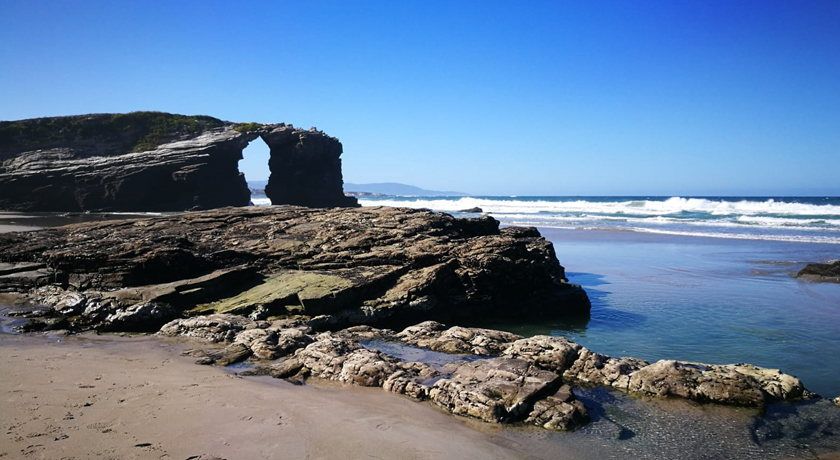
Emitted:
pixel 247 127
pixel 101 134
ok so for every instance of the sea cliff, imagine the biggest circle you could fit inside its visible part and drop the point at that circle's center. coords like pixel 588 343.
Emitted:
pixel 152 161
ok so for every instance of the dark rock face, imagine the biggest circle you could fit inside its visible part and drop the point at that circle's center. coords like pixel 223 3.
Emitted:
pixel 151 161
pixel 346 266
pixel 305 169
pixel 827 272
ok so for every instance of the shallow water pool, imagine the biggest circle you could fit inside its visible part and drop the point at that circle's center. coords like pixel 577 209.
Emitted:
pixel 702 299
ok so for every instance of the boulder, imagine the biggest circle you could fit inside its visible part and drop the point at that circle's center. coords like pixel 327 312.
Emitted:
pixel 597 369
pixel 737 384
pixel 560 411
pixel 332 357
pixel 825 272
pixel 141 317
pixel 435 336
pixel 498 390
pixel 212 328
pixel 551 353
pixel 272 343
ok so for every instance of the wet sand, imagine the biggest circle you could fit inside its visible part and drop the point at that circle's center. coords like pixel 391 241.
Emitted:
pixel 113 397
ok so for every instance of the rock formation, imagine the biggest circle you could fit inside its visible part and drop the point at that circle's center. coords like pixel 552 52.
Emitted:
pixel 305 169
pixel 491 375
pixel 341 266
pixel 150 161
pixel 825 272
pixel 312 293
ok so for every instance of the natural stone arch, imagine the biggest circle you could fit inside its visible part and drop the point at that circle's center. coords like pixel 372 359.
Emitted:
pixel 254 162
pixel 154 161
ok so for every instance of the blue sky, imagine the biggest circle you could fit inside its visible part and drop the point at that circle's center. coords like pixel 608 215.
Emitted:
pixel 589 98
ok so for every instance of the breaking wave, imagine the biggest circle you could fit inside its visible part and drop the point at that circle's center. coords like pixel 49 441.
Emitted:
pixel 778 219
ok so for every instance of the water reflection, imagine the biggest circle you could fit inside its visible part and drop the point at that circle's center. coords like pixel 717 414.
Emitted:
pixel 603 315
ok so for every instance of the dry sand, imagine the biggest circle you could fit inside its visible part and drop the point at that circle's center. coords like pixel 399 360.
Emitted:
pixel 113 397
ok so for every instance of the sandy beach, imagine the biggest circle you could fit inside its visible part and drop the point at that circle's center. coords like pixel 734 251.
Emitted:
pixel 137 397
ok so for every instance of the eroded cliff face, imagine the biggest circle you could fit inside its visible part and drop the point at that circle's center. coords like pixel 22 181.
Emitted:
pixel 150 161
pixel 305 168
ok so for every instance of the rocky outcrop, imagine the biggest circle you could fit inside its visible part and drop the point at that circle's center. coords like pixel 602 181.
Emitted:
pixel 470 340
pixel 735 384
pixel 825 272
pixel 499 390
pixel 528 380
pixel 342 266
pixel 151 161
pixel 305 168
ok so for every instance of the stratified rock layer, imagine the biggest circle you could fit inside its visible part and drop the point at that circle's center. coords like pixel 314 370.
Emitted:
pixel 152 161
pixel 491 375
pixel 344 266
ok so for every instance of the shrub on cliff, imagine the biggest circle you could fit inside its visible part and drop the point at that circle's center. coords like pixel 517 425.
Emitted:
pixel 101 134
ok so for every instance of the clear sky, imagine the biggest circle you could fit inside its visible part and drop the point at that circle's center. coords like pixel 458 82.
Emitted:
pixel 589 98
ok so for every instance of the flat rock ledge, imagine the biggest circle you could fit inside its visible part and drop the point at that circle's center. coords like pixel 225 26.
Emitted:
pixel 339 267
pixel 490 375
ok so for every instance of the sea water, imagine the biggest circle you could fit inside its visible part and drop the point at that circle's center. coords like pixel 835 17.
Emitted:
pixel 805 219
pixel 701 279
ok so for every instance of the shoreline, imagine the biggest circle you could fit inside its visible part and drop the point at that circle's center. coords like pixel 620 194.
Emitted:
pixel 13 221
pixel 137 397
pixel 650 423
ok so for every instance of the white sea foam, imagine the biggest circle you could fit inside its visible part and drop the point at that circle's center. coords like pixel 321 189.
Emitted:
pixel 671 205
pixel 775 220
pixel 746 236
pixel 829 225
pixel 261 201
pixel 823 239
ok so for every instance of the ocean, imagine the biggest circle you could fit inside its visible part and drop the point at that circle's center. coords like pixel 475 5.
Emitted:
pixel 707 279
pixel 804 219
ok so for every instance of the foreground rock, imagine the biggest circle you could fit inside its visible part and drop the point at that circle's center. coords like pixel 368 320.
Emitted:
pixel 151 161
pixel 378 266
pixel 514 379
pixel 735 384
pixel 825 272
